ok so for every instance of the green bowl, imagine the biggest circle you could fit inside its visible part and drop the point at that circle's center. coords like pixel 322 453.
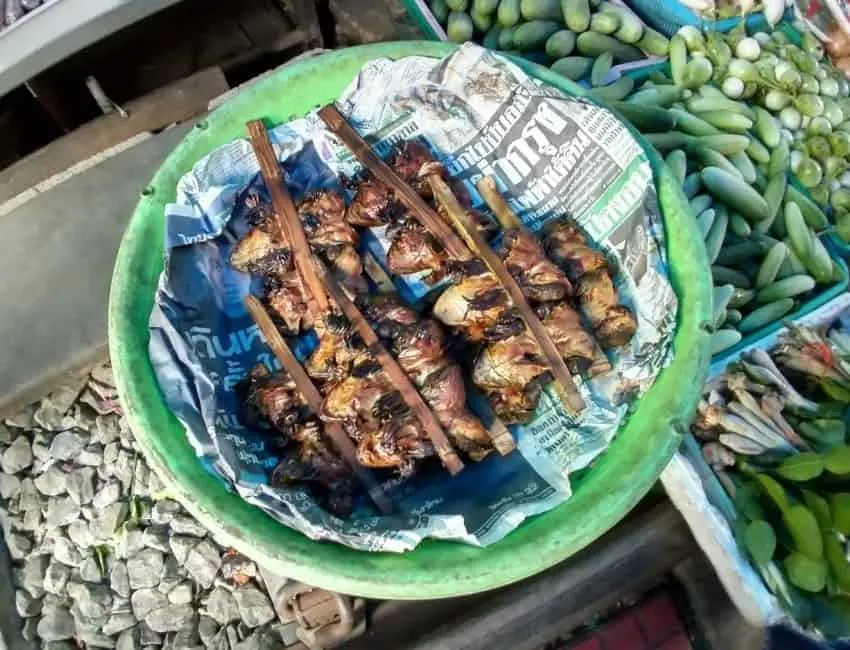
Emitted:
pixel 435 569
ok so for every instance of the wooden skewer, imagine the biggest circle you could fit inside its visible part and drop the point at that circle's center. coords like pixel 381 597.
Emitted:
pixel 282 203
pixel 321 284
pixel 509 219
pixel 569 393
pixel 505 215
pixel 311 395
pixel 337 124
pixel 503 440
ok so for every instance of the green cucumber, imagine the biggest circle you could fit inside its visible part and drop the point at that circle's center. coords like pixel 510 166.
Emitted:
pixel 735 193
pixel 711 158
pixel 740 226
pixel 765 315
pixel 663 96
pixel 577 17
pixel 716 235
pixel 561 44
pixel 798 231
pixel 646 118
pixel 813 215
pixel 744 165
pixel 770 264
pixel 593 44
pixel 724 339
pixel 692 124
pixel 491 38
pixel 720 300
pixel 741 298
pixel 786 288
pixel 726 143
pixel 600 69
pixel 614 91
pixel 677 163
pixel 534 34
pixel 604 23
pixel 506 38
pixel 692 185
pixel 508 13
pixel 767 128
pixel 541 9
pixel 481 22
pixel 712 104
pixel 653 42
pixel 727 122
pixel 440 10
pixel 700 202
pixel 773 195
pixel 457 5
pixel 745 251
pixel 459 27
pixel 758 152
pixel 725 275
pixel 705 219
pixel 573 67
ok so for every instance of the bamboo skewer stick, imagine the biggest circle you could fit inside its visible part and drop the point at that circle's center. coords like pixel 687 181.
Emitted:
pixel 503 440
pixel 569 393
pixel 321 284
pixel 383 172
pixel 283 205
pixel 509 219
pixel 311 395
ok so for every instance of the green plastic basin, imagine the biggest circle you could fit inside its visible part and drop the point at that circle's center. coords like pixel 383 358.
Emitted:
pixel 435 569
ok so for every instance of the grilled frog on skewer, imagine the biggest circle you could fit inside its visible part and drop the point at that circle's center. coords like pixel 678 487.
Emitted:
pixel 588 269
pixel 419 345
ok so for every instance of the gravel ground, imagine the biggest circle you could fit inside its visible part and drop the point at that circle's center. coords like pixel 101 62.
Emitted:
pixel 101 557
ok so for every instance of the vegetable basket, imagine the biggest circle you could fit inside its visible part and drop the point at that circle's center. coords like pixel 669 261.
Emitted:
pixel 714 518
pixel 839 251
pixel 434 569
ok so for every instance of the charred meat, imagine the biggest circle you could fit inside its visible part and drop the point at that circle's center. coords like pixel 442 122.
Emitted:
pixel 413 249
pixel 275 398
pixel 388 435
pixel 323 216
pixel 372 204
pixel 613 323
pixel 539 278
pixel 419 345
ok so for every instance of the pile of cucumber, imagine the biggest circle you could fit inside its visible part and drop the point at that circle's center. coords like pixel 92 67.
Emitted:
pixel 566 34
pixel 760 230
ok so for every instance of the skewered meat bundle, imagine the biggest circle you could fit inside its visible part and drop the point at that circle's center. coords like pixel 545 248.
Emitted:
pixel 386 432
pixel 419 346
pixel 539 278
pixel 323 216
pixel 412 249
pixel 613 323
pixel 476 303
pixel 262 252
pixel 275 398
